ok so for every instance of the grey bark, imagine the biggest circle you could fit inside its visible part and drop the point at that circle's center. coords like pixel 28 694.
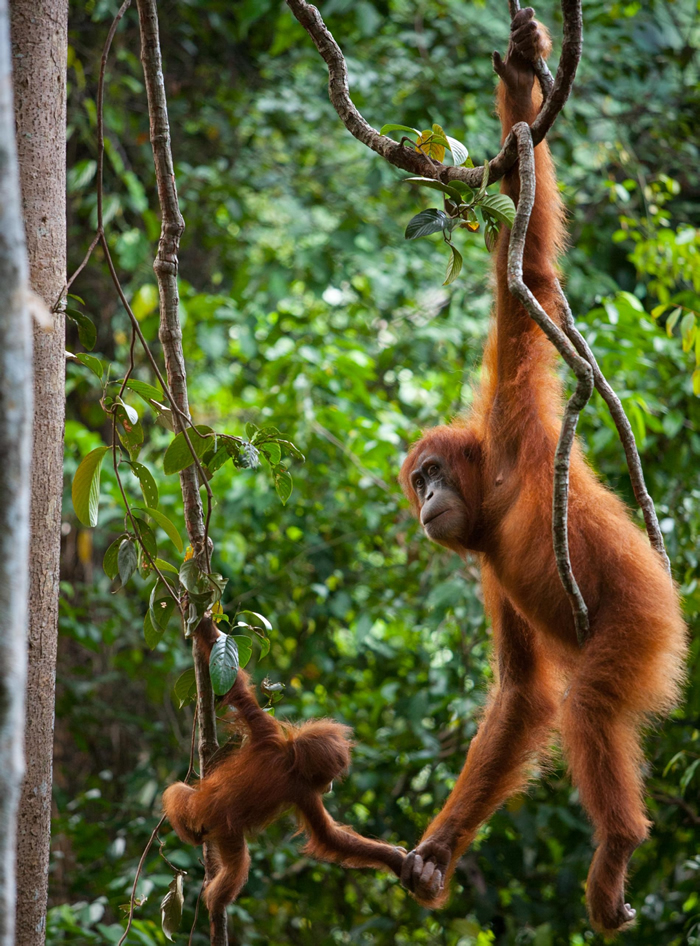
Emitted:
pixel 39 48
pixel 15 450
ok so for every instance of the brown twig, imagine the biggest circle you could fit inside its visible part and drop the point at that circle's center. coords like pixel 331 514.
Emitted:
pixel 624 430
pixel 413 161
pixel 196 913
pixel 578 364
pixel 86 259
pixel 132 902
pixel 170 334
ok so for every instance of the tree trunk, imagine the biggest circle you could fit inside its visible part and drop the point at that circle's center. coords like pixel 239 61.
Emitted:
pixel 15 450
pixel 39 49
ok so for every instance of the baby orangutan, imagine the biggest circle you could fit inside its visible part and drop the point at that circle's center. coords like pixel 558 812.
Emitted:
pixel 279 766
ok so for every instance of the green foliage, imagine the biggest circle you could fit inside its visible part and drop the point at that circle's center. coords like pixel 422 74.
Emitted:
pixel 461 203
pixel 304 308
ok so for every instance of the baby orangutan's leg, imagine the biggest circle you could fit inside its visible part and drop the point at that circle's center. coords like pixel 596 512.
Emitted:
pixel 231 855
pixel 179 805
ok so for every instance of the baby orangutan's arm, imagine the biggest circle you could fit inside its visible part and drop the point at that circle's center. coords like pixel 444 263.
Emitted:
pixel 329 841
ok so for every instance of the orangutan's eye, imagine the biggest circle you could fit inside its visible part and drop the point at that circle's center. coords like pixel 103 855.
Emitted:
pixel 433 469
pixel 419 482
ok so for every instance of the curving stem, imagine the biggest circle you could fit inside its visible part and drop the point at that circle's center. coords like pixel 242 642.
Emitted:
pixel 624 430
pixel 579 365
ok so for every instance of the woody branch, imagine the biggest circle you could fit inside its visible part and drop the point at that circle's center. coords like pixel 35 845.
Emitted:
pixel 170 334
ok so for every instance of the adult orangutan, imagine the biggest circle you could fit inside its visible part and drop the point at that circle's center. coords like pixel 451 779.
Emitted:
pixel 484 484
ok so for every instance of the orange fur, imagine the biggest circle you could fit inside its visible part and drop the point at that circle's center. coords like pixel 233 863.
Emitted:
pixel 279 766
pixel 500 463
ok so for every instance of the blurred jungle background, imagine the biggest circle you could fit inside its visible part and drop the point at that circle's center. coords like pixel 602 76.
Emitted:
pixel 304 307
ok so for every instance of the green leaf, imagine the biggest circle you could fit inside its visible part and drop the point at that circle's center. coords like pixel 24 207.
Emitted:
pixel 197 608
pixel 472 221
pixel 166 525
pixel 458 150
pixel 109 562
pixel 161 606
pixel 631 300
pixel 193 578
pixel 688 330
pixel 147 537
pixel 272 453
pixel 292 450
pixel 217 584
pixel 178 455
pixel 87 333
pixel 147 483
pixel 250 431
pixel 265 433
pixel 166 566
pixel 151 632
pixel 432 143
pixel 696 381
pixel 223 664
pixel 491 235
pixel 253 619
pixel 131 414
pixel 434 185
pixel 676 758
pixel 264 646
pixel 85 491
pixel 245 649
pixel 283 485
pixel 127 559
pixel 171 907
pixel 500 207
pixel 688 774
pixel 387 128
pixel 186 687
pixel 637 423
pixel 425 223
pixel 466 192
pixel 165 416
pixel 229 448
pixel 132 438
pixel 91 362
pixel 146 391
pixel 454 267
pixel 672 320
pixel 659 309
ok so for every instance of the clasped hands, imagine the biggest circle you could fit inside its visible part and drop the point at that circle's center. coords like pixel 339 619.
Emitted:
pixel 424 870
